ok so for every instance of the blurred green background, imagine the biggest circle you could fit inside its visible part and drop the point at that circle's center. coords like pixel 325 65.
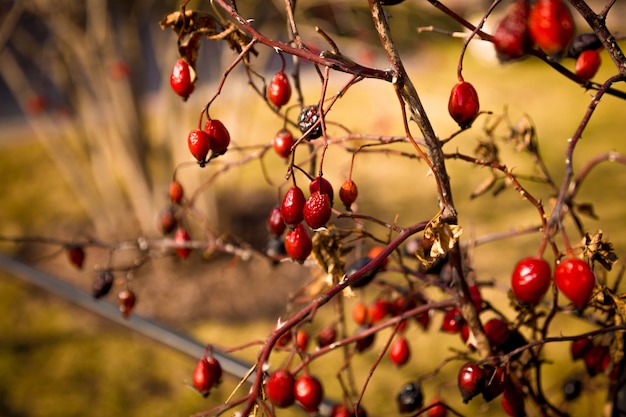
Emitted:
pixel 91 135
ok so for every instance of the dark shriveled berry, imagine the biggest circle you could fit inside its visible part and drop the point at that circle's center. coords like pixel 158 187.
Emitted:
pixel 309 116
pixel 357 265
pixel 102 284
pixel 583 42
pixel 410 398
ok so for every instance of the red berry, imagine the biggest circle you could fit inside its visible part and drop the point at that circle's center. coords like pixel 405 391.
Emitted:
pixel 378 310
pixel 76 255
pixel 126 300
pixel 182 79
pixel 215 369
pixel 218 135
pixel 279 90
pixel 551 25
pixel 510 37
pixel 275 222
pixel 360 314
pixel 463 105
pixel 531 280
pixel 181 237
pixel 36 105
pixel 471 381
pixel 102 284
pixel 327 336
pixel 497 332
pixel 309 392
pixel 302 339
pixel 202 377
pixel 348 193
pixel 292 206
pixel 437 409
pixel 282 143
pixel 298 243
pixel 574 278
pixel 452 321
pixel 580 347
pixel 587 64
pixel 176 192
pixel 374 252
pixel 317 210
pixel 596 359
pixel 280 388
pixel 513 402
pixel 476 296
pixel 400 351
pixel 322 185
pixel 199 145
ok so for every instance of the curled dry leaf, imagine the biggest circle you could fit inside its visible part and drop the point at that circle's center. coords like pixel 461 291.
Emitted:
pixel 443 237
pixel 599 250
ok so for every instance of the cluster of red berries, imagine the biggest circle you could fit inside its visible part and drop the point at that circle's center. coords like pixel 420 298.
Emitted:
pixel 207 373
pixel 283 389
pixel 596 357
pixel 296 210
pixel 532 277
pixel 214 137
pixel 549 24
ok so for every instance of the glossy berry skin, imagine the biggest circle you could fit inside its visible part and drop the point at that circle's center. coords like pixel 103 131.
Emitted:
pixel 574 278
pixel 275 222
pixel 399 351
pixel 497 332
pixel 202 377
pixel 309 392
pixel 308 117
pixel 513 402
pixel 322 185
pixel 199 144
pixel 463 104
pixel 218 135
pixel 215 369
pixel 587 64
pixel 181 79
pixel 292 206
pixel 510 37
pixel 580 347
pixel 102 284
pixel 176 192
pixel 282 143
pixel 181 237
pixel 551 25
pixel 410 398
pixel 126 300
pixel 531 280
pixel 437 409
pixel 76 255
pixel 471 381
pixel 298 244
pixel 279 388
pixel 279 90
pixel 317 210
pixel 348 193
pixel 452 321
